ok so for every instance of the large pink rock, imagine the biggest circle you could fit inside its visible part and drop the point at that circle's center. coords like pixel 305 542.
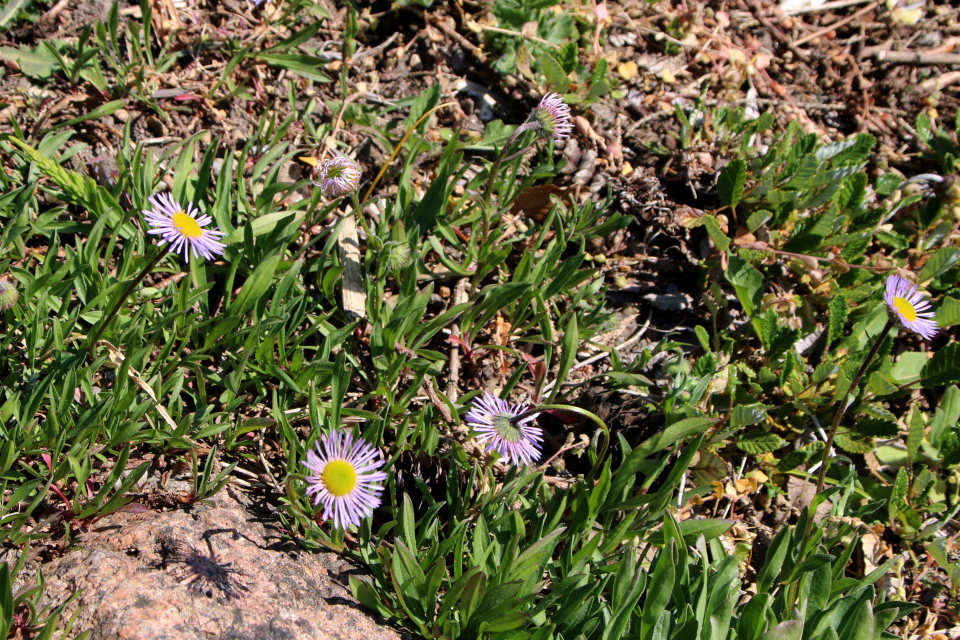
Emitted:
pixel 206 572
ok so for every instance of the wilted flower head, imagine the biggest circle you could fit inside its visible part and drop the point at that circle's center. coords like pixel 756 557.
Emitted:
pixel 495 421
pixel 8 295
pixel 338 176
pixel 909 306
pixel 182 228
pixel 553 117
pixel 345 478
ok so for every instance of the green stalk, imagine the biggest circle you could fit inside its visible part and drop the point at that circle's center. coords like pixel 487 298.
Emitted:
pixel 488 195
pixel 92 340
pixel 825 461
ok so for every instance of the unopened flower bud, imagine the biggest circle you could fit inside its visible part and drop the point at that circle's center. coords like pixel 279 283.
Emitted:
pixel 8 295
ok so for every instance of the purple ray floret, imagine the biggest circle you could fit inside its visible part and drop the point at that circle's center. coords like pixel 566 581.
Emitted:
pixel 495 423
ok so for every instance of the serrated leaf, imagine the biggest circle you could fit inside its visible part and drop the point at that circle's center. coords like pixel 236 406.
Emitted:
pixel 703 337
pixel 943 368
pixel 853 191
pixel 759 442
pixel 769 329
pixel 719 238
pixel 567 57
pixel 879 385
pixel 557 80
pixel 855 247
pixel 794 459
pixel 783 343
pixel 731 181
pixel 854 444
pixel 948 313
pixel 939 263
pixel 877 428
pixel 757 219
pixel 900 486
pixel 887 184
pixel 839 310
pixel 744 415
pixel 823 372
pixel 856 153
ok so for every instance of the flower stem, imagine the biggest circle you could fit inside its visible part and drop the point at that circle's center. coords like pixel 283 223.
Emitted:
pixel 495 169
pixel 485 213
pixel 604 430
pixel 845 404
pixel 825 461
pixel 92 340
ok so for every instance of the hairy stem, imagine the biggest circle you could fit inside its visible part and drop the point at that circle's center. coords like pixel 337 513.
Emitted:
pixel 825 461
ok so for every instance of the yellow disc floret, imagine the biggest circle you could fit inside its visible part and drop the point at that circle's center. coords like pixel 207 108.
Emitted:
pixel 339 477
pixel 905 309
pixel 187 225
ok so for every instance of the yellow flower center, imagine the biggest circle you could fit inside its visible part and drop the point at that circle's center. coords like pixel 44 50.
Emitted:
pixel 339 477
pixel 186 225
pixel 905 309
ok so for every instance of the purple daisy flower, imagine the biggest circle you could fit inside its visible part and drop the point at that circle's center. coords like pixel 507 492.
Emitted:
pixel 553 116
pixel 344 478
pixel 494 420
pixel 182 228
pixel 338 176
pixel 910 307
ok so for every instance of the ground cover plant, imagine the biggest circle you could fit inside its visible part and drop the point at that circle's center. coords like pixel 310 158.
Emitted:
pixel 537 374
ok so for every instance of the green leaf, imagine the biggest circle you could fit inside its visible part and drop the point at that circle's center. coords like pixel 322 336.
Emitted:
pixel 839 310
pixel 100 112
pixel 658 594
pixel 731 181
pixel 256 286
pixel 567 57
pixel 887 184
pixel 720 240
pixel 6 600
pixel 746 281
pixel 472 595
pixel 948 313
pixel 923 127
pixel 757 219
pixel 743 415
pixel 943 368
pixel 305 66
pixel 703 337
pixel 421 104
pixel 568 354
pixel 674 433
pixel 939 263
pixel 787 630
pixel 557 80
pixel 860 625
pixel 877 428
pixel 915 434
pixel 690 530
pixel 759 442
pixel 266 224
pixel 38 63
pixel 855 443
pixel 776 554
